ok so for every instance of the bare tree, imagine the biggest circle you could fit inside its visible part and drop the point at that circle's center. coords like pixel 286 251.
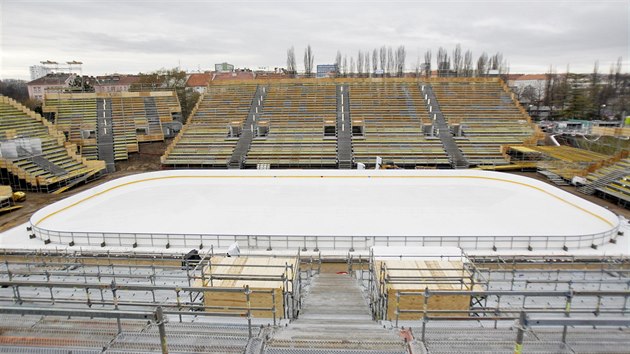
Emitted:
pixel 457 60
pixel 291 67
pixel 367 63
pixel 482 65
pixel 360 63
pixel 427 63
pixel 401 56
pixel 417 68
pixel 596 97
pixel 496 62
pixel 618 76
pixel 352 67
pixel 467 66
pixel 443 62
pixel 550 85
pixel 338 63
pixel 308 61
pixel 382 54
pixel 390 60
pixel 595 75
pixel 345 66
pixel 374 60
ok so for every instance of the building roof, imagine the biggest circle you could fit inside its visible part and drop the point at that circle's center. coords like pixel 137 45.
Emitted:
pixel 268 75
pixel 511 77
pixel 51 79
pixel 237 75
pixel 196 80
pixel 528 77
pixel 115 79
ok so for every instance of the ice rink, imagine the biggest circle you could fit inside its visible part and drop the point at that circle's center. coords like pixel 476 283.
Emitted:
pixel 327 203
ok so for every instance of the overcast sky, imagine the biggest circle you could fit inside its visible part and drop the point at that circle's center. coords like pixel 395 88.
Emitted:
pixel 141 36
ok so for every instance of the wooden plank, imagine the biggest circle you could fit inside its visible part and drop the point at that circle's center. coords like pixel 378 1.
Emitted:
pixel 249 270
pixel 431 274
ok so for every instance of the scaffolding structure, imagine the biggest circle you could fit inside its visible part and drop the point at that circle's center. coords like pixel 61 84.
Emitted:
pixel 146 302
pixel 126 288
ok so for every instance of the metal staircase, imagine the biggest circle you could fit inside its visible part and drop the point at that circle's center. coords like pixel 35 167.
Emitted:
pixel 47 165
pixel 244 143
pixel 335 318
pixel 150 109
pixel 105 133
pixel 42 162
pixel 603 181
pixel 457 159
pixel 344 129
pixel 554 178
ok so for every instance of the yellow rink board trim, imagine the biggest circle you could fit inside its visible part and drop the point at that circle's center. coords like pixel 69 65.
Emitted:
pixel 310 177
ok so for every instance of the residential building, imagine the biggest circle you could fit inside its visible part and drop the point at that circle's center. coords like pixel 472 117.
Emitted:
pixel 115 83
pixel 49 83
pixel 236 75
pixel 198 82
pixel 520 82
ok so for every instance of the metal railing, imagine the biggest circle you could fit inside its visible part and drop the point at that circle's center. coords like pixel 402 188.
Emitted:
pixel 156 316
pixel 317 242
pixel 502 312
pixel 178 306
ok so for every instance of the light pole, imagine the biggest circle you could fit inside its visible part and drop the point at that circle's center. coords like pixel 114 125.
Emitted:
pixel 601 108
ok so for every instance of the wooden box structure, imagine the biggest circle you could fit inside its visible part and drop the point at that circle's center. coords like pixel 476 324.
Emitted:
pixel 402 283
pixel 273 283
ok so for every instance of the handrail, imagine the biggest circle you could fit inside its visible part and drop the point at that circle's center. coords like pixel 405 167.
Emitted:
pixel 136 239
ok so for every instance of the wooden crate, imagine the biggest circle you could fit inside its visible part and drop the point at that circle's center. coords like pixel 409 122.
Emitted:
pixel 244 267
pixel 433 271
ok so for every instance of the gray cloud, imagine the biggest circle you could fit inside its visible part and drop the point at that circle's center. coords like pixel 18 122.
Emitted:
pixel 140 35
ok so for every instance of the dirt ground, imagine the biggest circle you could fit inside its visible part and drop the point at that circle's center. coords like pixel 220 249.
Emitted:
pixel 148 159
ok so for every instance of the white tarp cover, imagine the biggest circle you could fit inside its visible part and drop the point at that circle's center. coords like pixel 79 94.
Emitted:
pixel 309 202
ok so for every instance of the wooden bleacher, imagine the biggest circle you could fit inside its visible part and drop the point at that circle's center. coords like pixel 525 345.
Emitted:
pixel 204 141
pixel 74 113
pixel 487 115
pixel 392 115
pixel 389 120
pixel 75 116
pixel 617 189
pixel 296 114
pixel 24 172
pixel 564 161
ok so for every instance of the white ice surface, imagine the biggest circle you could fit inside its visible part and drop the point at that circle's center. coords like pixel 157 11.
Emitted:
pixel 293 202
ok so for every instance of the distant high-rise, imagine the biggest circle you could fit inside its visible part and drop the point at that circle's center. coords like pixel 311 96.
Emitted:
pixel 224 68
pixel 327 70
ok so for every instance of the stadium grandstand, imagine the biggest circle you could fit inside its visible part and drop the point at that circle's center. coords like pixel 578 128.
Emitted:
pixel 34 156
pixel 610 182
pixel 317 261
pixel 262 236
pixel 564 161
pixel 485 117
pixel 109 126
pixel 337 123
